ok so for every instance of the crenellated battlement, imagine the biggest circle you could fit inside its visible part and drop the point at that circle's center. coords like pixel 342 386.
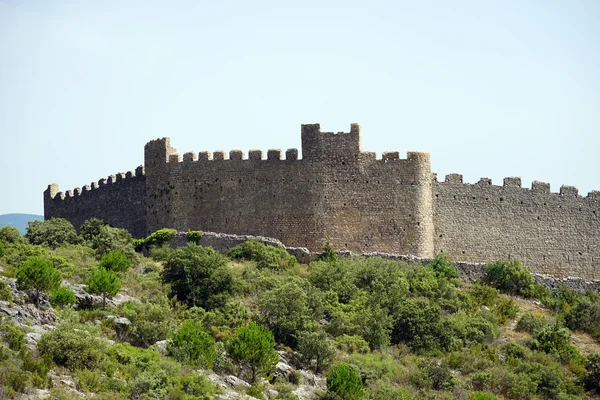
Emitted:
pixel 332 190
pixel 53 191
pixel 515 182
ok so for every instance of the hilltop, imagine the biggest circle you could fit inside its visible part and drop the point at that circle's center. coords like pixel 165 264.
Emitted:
pixel 19 221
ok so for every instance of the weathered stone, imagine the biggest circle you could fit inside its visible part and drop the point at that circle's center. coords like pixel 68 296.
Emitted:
pixel 340 193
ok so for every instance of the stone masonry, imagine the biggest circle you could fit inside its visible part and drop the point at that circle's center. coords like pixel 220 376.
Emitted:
pixel 350 197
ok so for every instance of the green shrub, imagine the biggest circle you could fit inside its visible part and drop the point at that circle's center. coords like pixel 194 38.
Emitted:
pixel 592 379
pixel 90 229
pixel 284 310
pixel 375 366
pixel 5 291
pixel 10 234
pixel 510 277
pixel 253 349
pixel 328 254
pixel 521 386
pixel 344 381
pixel 38 276
pixel 51 233
pixel 113 239
pixel 316 351
pixel 484 295
pixel 1 250
pixel 89 380
pixel 193 345
pixel 71 348
pixel 62 296
pixel 530 323
pixel 194 386
pixel 198 276
pixel 160 237
pixel 438 375
pixel 384 390
pixel 13 335
pixel 442 268
pixel 194 236
pixel 554 340
pixel 482 396
pixel 505 310
pixel 150 322
pixel 271 257
pixel 352 344
pixel 104 283
pixel 115 261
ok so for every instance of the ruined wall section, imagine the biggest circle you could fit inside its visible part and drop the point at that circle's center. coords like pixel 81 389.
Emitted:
pixel 119 200
pixel 552 233
pixel 335 192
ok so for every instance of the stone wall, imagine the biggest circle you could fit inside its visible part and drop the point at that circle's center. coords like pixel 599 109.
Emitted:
pixel 552 233
pixel 119 200
pixel 349 197
pixel 468 271
pixel 358 202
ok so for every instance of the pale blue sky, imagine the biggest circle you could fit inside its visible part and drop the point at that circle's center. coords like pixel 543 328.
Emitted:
pixel 490 88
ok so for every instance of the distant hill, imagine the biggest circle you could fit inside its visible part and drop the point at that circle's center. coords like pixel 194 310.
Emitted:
pixel 19 221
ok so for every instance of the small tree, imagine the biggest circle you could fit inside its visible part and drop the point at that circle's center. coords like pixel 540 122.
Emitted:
pixel 592 380
pixel 105 283
pixel 37 275
pixel 90 229
pixel 62 296
pixel 510 277
pixel 51 233
pixel 193 345
pixel 344 380
pixel 253 348
pixel 198 276
pixel 328 254
pixel 10 234
pixel 115 261
pixel 316 350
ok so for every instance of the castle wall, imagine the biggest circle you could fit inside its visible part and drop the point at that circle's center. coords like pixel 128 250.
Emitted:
pixel 335 193
pixel 119 200
pixel 552 233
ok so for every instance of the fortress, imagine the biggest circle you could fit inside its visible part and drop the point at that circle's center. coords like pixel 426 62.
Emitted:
pixel 357 201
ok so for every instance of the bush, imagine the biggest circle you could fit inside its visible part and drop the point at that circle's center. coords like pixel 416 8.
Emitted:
pixel 90 229
pixel 352 344
pixel 37 275
pixel 316 351
pixel 1 250
pixel 284 310
pixel 115 261
pixel 109 239
pixel 150 322
pixel 5 291
pixel 530 323
pixel 505 310
pixel 198 276
pixel 13 336
pixel 159 237
pixel 253 348
pixel 442 268
pixel 344 381
pixel 193 345
pixel 555 340
pixel 51 233
pixel 194 236
pixel 510 277
pixel 62 296
pixel 273 258
pixel 592 366
pixel 72 348
pixel 105 283
pixel 328 254
pixel 10 234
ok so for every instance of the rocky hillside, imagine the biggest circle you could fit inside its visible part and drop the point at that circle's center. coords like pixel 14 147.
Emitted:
pixel 89 315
